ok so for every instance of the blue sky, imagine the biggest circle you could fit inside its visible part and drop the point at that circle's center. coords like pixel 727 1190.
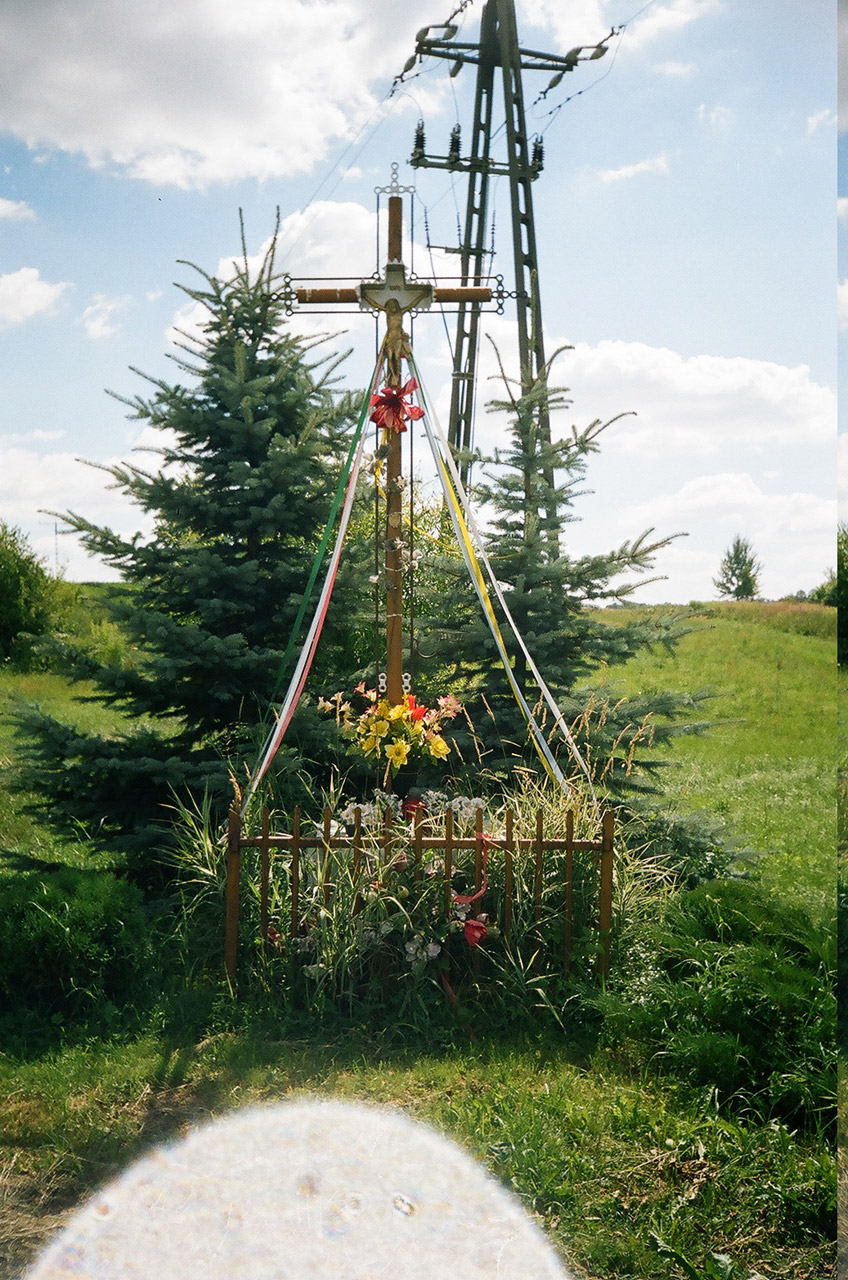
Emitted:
pixel 686 220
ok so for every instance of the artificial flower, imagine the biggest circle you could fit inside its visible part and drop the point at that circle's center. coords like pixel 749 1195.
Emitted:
pixel 406 731
pixel 397 753
pixel 390 407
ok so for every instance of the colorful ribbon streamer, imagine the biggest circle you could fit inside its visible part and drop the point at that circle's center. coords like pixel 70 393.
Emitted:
pixel 301 671
pixel 471 544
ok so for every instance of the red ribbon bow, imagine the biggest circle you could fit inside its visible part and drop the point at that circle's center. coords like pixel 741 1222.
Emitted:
pixel 390 407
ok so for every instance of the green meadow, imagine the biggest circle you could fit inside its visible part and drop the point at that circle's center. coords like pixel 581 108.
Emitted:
pixel 767 766
pixel 633 1170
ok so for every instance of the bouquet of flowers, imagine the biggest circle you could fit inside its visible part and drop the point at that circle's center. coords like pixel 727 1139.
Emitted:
pixel 397 734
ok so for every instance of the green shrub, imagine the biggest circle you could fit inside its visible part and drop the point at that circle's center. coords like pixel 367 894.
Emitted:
pixel 691 847
pixel 732 990
pixel 24 593
pixel 73 945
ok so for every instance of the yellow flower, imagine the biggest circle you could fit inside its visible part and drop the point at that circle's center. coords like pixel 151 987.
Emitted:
pixel 370 744
pixel 397 752
pixel 398 712
pixel 380 728
pixel 438 748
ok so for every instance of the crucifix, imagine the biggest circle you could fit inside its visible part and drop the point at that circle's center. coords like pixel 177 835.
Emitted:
pixel 395 296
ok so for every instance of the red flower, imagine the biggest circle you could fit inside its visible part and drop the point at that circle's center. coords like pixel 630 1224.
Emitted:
pixel 475 931
pixel 415 712
pixel 390 408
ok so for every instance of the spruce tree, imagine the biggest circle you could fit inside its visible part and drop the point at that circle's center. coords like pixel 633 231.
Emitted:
pixel 550 594
pixel 249 460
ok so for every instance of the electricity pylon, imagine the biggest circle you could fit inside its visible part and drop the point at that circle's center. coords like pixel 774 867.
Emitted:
pixel 497 46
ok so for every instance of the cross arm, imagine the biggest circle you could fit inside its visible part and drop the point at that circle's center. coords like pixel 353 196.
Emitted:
pixel 361 295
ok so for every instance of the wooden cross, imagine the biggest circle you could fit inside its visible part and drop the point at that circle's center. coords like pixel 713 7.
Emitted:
pixel 394 296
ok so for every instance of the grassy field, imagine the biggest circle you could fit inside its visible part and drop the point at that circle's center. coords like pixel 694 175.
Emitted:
pixel 605 1154
pixel 768 766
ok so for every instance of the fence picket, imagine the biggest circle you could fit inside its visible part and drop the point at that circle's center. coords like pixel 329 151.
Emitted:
pixel 263 876
pixel 295 872
pixel 233 869
pixel 569 879
pixel 605 905
pixel 508 851
pixel 325 864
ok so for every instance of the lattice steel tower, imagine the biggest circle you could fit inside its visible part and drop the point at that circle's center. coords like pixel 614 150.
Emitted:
pixel 497 46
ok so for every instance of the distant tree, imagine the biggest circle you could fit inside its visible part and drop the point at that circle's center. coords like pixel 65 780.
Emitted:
pixel 738 574
pixel 24 592
pixel 251 447
pixel 826 591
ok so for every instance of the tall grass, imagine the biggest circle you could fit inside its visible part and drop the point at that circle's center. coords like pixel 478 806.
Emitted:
pixel 396 935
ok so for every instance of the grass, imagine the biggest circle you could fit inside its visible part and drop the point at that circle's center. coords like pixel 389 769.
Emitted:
pixel 768 766
pixel 600 1159
pixel 604 1154
pixel 24 841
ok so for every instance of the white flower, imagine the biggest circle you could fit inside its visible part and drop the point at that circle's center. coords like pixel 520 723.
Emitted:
pixel 414 949
pixel 433 949
pixel 335 828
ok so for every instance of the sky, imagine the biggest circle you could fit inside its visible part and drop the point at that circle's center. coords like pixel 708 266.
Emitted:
pixel 685 218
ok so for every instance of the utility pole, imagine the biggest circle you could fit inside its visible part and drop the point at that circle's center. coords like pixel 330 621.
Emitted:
pixel 497 46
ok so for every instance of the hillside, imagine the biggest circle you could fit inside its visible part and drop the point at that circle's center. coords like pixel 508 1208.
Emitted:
pixel 767 767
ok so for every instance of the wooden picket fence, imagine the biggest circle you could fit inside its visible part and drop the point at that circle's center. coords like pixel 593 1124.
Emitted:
pixel 396 838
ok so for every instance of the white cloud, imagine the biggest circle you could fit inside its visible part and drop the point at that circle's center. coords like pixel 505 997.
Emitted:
pixel 98 317
pixel 825 117
pixel 717 117
pixel 678 70
pixel 697 405
pixel 202 91
pixel 664 20
pixel 583 22
pixel 34 483
pixel 842 304
pixel 24 437
pixel 23 295
pixel 653 164
pixel 792 534
pixel 842 473
pixel 16 210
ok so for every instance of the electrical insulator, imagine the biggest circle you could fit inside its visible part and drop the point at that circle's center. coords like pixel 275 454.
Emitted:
pixel 419 137
pixel 538 161
pixel 453 152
